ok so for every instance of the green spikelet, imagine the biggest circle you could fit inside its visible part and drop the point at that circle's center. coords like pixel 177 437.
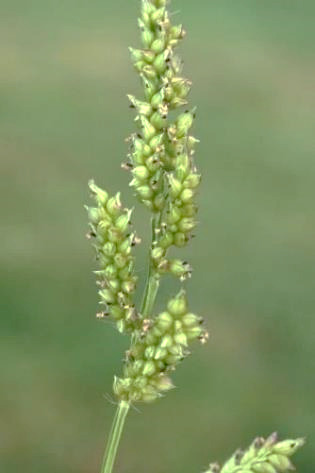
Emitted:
pixel 263 456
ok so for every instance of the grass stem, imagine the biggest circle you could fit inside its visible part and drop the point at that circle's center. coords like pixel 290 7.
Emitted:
pixel 114 437
pixel 153 278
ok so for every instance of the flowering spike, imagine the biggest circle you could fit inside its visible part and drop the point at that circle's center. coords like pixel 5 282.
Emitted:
pixel 164 89
pixel 263 456
pixel 161 347
pixel 109 223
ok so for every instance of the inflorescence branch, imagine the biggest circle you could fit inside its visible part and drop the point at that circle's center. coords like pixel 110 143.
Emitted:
pixel 262 456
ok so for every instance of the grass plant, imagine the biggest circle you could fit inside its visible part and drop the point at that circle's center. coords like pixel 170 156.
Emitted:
pixel 165 180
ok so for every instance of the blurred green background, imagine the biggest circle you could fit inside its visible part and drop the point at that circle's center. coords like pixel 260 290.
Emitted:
pixel 65 73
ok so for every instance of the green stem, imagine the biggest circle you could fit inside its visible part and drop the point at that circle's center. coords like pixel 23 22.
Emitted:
pixel 153 283
pixel 150 292
pixel 114 437
pixel 153 279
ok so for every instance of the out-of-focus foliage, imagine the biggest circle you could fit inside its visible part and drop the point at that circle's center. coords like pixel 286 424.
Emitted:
pixel 65 73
